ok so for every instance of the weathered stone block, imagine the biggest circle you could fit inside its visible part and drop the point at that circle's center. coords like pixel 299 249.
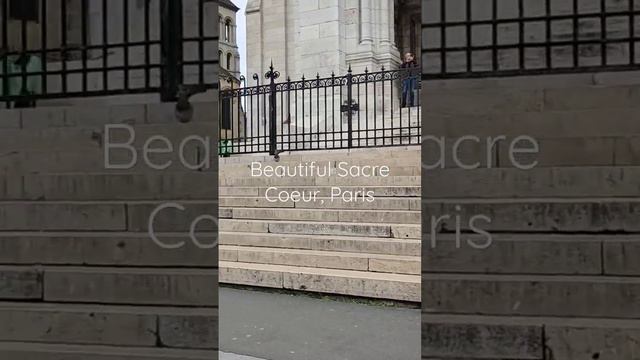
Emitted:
pixel 132 286
pixel 189 331
pixel 20 283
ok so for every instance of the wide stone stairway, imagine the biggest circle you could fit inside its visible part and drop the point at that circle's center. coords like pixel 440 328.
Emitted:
pixel 561 278
pixel 344 247
pixel 80 277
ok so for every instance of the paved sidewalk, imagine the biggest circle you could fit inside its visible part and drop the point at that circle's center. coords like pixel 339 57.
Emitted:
pixel 293 327
pixel 230 356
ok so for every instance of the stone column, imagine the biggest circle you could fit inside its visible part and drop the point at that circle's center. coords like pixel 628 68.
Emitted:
pixel 383 12
pixel 366 22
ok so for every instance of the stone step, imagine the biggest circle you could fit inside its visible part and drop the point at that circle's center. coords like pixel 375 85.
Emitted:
pixel 342 282
pixel 89 137
pixel 400 137
pixel 322 259
pixel 131 286
pixel 39 351
pixel 532 295
pixel 94 161
pixel 325 191
pixel 528 337
pixel 584 215
pixel 273 200
pixel 562 182
pixel 349 155
pixel 346 170
pixel 108 186
pixel 549 123
pixel 402 231
pixel 109 325
pixel 510 100
pixel 106 249
pixel 412 160
pixel 98 115
pixel 320 181
pixel 61 216
pixel 610 255
pixel 524 254
pixel 353 216
pixel 494 152
pixel 333 243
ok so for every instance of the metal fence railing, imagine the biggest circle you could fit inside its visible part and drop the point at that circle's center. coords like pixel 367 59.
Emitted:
pixel 370 109
pixel 78 48
pixel 480 38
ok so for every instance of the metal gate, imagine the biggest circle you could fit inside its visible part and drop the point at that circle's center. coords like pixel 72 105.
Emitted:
pixel 370 109
pixel 482 38
pixel 79 48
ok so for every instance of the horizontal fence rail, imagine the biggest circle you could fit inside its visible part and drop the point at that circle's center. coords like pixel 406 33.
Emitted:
pixel 481 38
pixel 371 109
pixel 77 48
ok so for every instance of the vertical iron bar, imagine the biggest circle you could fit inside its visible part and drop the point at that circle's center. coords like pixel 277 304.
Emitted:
pixel 43 45
pixel 171 48
pixel 603 30
pixel 63 10
pixel 548 47
pixel 125 20
pixel 105 46
pixel 349 108
pixel 85 43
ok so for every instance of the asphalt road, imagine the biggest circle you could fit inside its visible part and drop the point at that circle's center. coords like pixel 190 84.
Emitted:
pixel 273 326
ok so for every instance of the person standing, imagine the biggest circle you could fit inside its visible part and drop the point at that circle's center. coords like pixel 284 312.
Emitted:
pixel 410 82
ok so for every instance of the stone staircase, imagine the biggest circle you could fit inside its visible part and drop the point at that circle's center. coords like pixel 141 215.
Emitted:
pixel 357 248
pixel 559 279
pixel 80 277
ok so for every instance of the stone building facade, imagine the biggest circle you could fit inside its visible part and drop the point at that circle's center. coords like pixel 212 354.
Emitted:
pixel 228 52
pixel 309 37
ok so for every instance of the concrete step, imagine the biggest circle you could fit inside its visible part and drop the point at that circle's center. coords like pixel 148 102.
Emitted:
pixel 38 351
pixel 332 243
pixel 320 181
pixel 353 216
pixel 583 215
pixel 322 259
pixel 343 282
pixel 532 295
pixel 106 249
pixel 108 186
pixel 528 337
pixel 562 182
pixel 274 200
pixel 131 286
pixel 324 191
pixel 108 325
pixel 402 231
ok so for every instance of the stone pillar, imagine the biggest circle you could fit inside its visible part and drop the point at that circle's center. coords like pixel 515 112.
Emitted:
pixel 366 20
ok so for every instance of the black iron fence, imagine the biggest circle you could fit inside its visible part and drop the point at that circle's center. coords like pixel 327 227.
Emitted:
pixel 369 109
pixel 77 48
pixel 478 38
